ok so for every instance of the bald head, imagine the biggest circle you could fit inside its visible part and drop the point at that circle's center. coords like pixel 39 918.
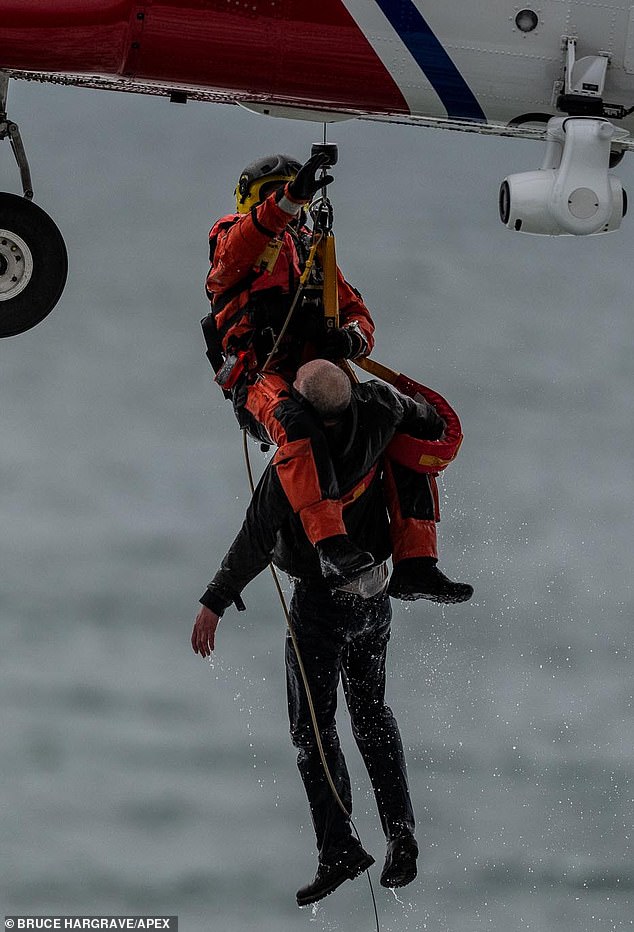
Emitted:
pixel 324 386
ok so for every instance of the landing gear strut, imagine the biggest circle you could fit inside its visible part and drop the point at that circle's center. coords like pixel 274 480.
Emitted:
pixel 33 258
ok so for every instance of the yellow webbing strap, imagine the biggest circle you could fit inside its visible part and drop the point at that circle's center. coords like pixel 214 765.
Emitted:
pixel 328 260
pixel 377 369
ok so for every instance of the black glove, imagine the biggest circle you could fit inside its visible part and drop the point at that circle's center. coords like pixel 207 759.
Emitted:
pixel 304 185
pixel 341 343
pixel 428 424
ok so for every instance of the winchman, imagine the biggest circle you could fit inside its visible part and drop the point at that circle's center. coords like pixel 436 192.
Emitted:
pixel 262 266
pixel 257 257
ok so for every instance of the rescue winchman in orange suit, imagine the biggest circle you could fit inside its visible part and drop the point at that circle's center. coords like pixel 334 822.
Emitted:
pixel 257 256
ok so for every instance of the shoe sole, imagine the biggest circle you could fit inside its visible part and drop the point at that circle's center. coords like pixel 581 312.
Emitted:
pixel 443 600
pixel 354 870
pixel 401 880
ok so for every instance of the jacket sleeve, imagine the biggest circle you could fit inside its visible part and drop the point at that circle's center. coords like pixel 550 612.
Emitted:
pixel 240 243
pixel 417 418
pixel 420 419
pixel 354 314
pixel 252 549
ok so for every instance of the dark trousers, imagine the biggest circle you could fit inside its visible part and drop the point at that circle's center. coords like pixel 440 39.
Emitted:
pixel 342 636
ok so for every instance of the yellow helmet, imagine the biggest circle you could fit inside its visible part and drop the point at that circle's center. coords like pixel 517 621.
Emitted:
pixel 260 177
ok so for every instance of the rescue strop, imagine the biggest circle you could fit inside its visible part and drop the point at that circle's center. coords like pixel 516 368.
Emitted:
pixel 430 456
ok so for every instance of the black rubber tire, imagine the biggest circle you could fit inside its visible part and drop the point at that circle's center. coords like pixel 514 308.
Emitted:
pixel 49 264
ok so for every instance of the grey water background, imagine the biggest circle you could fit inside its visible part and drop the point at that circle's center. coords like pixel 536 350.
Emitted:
pixel 137 778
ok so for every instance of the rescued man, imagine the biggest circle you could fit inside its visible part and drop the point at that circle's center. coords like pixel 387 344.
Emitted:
pixel 342 631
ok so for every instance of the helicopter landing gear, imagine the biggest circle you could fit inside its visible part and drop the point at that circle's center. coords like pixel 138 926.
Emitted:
pixel 33 258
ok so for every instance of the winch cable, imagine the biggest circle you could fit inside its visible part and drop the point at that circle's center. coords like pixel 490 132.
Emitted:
pixel 322 244
pixel 309 697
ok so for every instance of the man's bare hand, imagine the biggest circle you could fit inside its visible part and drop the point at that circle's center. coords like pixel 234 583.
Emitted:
pixel 203 635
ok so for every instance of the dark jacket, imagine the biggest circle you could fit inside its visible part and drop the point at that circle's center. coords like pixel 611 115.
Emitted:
pixel 272 532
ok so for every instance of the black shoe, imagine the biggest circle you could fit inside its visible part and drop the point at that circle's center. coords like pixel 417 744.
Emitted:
pixel 420 578
pixel 400 861
pixel 341 560
pixel 330 875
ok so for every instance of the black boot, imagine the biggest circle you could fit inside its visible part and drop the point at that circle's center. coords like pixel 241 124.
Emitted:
pixel 341 560
pixel 347 865
pixel 420 578
pixel 400 861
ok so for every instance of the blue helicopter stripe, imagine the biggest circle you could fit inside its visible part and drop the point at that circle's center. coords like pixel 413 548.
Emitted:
pixel 433 60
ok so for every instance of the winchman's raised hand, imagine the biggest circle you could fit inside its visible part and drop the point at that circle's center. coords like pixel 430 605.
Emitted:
pixel 203 635
pixel 305 184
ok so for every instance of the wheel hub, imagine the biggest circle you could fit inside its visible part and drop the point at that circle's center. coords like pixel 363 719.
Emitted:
pixel 16 265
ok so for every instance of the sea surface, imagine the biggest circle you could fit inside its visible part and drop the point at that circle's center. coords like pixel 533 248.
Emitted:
pixel 137 778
